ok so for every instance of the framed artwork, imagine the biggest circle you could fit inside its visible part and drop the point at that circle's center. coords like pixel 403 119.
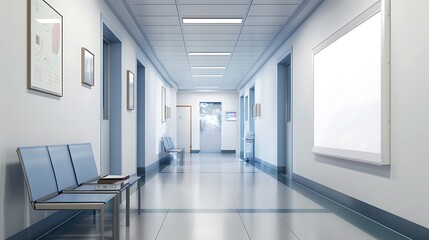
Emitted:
pixel 45 48
pixel 230 116
pixel 87 67
pixel 130 90
pixel 167 112
pixel 162 104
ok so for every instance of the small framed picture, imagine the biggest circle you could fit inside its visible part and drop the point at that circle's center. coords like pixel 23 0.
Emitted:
pixel 87 67
pixel 231 116
pixel 163 106
pixel 130 90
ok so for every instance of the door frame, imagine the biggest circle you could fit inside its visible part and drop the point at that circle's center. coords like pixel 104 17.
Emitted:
pixel 190 122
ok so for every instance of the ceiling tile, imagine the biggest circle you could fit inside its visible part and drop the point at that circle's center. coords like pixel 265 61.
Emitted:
pixel 158 21
pixel 163 37
pixel 249 49
pixel 207 82
pixel 151 1
pixel 169 49
pixel 208 71
pixel 272 21
pixel 212 10
pixel 167 44
pixel 162 29
pixel 154 10
pixel 209 43
pixel 252 43
pixel 212 37
pixel 208 62
pixel 211 29
pixel 172 54
pixel 272 10
pixel 211 2
pixel 209 49
pixel 261 29
pixel 256 37
pixel 277 2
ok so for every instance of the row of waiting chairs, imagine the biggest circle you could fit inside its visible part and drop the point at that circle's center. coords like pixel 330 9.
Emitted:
pixel 63 177
pixel 170 148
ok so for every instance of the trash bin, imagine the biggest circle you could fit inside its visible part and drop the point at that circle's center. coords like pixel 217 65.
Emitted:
pixel 249 147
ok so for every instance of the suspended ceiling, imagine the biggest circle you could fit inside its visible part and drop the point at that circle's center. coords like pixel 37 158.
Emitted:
pixel 158 28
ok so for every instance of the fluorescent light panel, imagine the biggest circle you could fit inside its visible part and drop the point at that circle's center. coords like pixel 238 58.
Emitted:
pixel 212 20
pixel 208 75
pixel 209 54
pixel 208 67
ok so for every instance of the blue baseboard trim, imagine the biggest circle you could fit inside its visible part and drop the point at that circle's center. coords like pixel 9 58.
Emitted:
pixel 394 222
pixel 227 151
pixel 195 151
pixel 44 226
pixel 281 170
pixel 158 165
pixel 269 166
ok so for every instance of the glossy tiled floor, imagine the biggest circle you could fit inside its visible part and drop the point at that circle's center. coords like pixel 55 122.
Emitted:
pixel 214 196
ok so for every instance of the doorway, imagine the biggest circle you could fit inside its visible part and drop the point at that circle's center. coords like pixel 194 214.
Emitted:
pixel 184 127
pixel 210 127
pixel 284 120
pixel 242 127
pixel 252 115
pixel 111 96
pixel 140 108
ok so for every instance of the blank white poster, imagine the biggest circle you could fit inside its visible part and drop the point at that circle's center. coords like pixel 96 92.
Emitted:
pixel 347 95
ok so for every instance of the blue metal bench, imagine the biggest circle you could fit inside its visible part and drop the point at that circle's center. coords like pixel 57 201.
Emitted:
pixel 86 173
pixel 170 148
pixel 43 191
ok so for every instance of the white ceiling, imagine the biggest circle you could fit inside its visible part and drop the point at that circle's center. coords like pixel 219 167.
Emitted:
pixel 159 23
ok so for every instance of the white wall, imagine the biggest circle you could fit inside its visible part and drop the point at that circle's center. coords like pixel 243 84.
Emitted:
pixel 401 188
pixel 229 104
pixel 32 118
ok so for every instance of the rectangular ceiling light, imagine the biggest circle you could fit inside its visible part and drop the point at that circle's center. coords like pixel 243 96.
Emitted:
pixel 212 20
pixel 209 54
pixel 208 75
pixel 208 67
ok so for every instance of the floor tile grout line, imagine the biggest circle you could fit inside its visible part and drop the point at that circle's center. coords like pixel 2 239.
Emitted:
pixel 281 220
pixel 239 215
pixel 168 211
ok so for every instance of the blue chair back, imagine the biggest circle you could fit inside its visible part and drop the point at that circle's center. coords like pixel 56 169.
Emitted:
pixel 38 172
pixel 164 143
pixel 63 167
pixel 83 162
pixel 170 142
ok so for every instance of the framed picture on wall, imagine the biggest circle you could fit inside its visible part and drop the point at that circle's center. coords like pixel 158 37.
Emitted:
pixel 231 116
pixel 87 67
pixel 45 43
pixel 162 104
pixel 130 90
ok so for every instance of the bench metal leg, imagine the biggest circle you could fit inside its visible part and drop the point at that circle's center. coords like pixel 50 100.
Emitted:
pixel 139 194
pixel 102 223
pixel 116 218
pixel 127 213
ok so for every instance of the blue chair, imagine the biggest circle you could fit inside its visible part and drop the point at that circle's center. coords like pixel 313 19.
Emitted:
pixel 83 162
pixel 43 190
